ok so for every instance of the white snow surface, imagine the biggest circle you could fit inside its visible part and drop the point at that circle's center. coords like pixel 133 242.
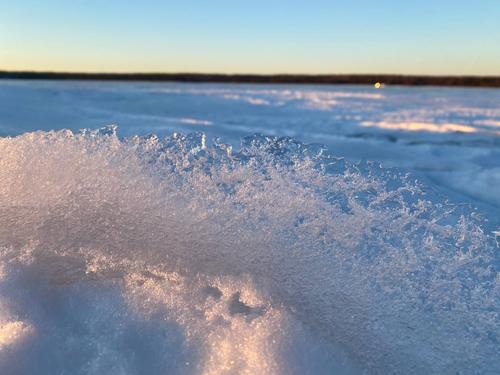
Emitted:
pixel 183 254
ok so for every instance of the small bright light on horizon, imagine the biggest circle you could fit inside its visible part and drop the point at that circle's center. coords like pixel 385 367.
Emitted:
pixel 378 85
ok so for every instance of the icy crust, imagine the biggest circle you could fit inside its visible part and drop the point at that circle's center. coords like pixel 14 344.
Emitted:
pixel 148 255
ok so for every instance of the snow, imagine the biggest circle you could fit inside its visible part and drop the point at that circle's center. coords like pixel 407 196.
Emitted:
pixel 187 254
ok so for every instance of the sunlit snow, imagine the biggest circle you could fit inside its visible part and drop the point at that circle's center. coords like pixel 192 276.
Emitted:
pixel 132 253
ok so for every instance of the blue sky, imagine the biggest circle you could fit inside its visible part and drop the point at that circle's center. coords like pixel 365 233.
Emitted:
pixel 356 36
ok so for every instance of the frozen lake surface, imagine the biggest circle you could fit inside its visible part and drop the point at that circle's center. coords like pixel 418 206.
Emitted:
pixel 127 253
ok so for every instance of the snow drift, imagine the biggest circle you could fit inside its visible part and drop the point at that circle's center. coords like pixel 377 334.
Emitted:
pixel 147 255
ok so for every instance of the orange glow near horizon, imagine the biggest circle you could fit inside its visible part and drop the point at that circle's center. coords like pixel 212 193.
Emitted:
pixel 422 126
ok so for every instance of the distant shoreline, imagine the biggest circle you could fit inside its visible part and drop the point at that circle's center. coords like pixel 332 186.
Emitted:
pixel 330 79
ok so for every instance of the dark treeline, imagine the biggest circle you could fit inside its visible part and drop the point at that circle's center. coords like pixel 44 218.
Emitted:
pixel 389 79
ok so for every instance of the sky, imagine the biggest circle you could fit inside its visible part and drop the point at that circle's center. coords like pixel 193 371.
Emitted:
pixel 433 37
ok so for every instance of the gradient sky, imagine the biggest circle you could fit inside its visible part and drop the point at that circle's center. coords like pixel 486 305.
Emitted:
pixel 259 36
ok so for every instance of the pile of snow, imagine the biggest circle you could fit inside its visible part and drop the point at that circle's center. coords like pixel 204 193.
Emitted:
pixel 147 255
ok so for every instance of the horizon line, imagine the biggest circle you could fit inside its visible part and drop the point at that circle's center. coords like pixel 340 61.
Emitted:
pixel 275 78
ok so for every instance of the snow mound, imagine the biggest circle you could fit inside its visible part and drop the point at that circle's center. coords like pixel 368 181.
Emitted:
pixel 147 255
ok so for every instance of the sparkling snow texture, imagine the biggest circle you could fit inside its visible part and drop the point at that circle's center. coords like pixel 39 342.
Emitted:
pixel 149 255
